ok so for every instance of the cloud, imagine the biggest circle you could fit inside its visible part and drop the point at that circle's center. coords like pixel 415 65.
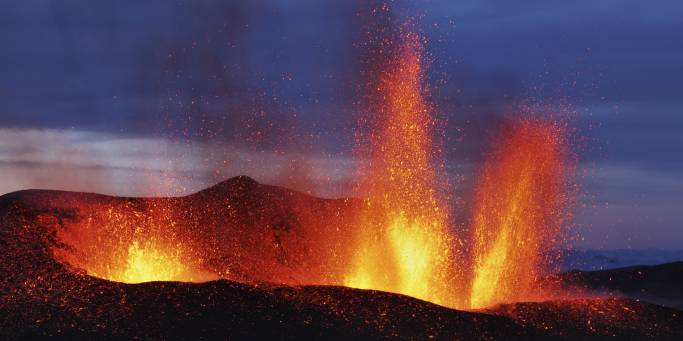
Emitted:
pixel 143 166
pixel 628 205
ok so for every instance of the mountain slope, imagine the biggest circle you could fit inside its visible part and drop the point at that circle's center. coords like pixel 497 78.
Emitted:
pixel 257 235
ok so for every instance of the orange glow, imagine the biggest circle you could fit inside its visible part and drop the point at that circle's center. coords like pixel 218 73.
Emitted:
pixel 403 244
pixel 125 245
pixel 517 211
pixel 399 238
pixel 148 262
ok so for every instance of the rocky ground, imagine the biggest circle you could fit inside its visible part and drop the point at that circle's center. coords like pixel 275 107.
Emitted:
pixel 40 297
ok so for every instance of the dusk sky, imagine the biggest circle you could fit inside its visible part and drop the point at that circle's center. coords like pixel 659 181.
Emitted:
pixel 167 97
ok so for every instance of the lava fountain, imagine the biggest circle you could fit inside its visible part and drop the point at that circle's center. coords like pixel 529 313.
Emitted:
pixel 518 211
pixel 402 240
pixel 127 244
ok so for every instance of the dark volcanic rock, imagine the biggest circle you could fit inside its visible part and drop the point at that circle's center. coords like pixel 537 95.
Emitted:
pixel 596 319
pixel 41 297
pixel 659 284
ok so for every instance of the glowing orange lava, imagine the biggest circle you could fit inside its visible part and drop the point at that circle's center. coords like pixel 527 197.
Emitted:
pixel 517 211
pixel 127 245
pixel 403 244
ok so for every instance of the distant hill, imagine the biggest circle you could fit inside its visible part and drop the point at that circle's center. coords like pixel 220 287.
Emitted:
pixel 619 258
pixel 660 284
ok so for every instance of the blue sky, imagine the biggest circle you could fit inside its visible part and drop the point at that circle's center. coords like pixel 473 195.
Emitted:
pixel 262 82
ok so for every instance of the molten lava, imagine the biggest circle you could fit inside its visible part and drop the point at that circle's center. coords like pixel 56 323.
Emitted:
pixel 403 244
pixel 404 241
pixel 149 263
pixel 518 211
pixel 127 245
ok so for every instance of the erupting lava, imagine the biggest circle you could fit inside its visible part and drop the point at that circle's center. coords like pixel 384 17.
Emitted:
pixel 404 241
pixel 149 263
pixel 400 239
pixel 517 211
pixel 125 245
pixel 403 244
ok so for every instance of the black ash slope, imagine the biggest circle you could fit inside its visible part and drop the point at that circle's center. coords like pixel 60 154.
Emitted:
pixel 42 298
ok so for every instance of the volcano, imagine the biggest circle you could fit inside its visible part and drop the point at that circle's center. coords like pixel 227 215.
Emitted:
pixel 242 260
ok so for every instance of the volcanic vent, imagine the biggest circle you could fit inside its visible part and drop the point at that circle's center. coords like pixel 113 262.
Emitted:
pixel 237 230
